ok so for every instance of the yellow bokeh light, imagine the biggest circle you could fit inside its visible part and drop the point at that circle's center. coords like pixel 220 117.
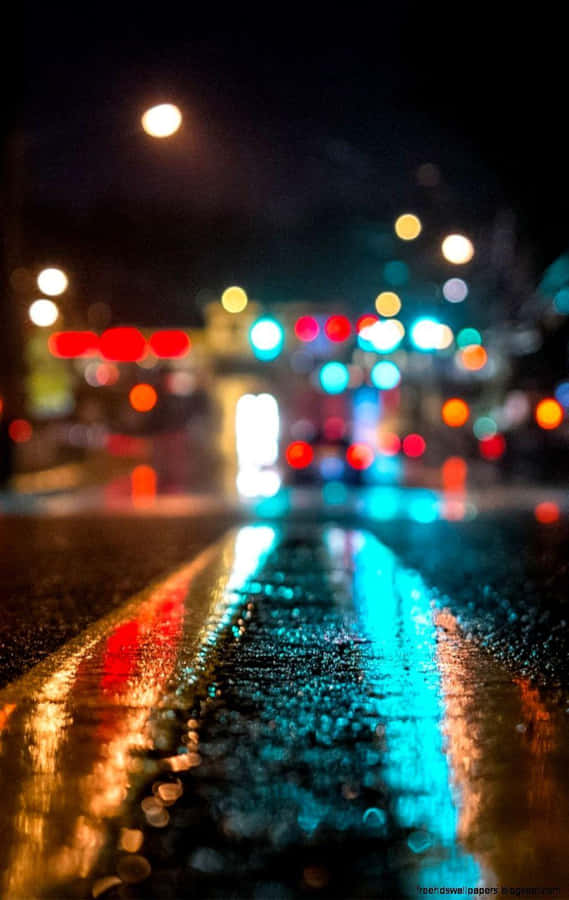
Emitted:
pixel 457 249
pixel 52 282
pixel 387 304
pixel 234 299
pixel 549 414
pixel 408 226
pixel 455 412
pixel 162 121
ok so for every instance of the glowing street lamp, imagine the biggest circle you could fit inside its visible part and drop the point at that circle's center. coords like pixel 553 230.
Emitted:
pixel 52 282
pixel 162 121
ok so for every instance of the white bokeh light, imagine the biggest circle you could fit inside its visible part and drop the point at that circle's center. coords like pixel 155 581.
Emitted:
pixel 455 290
pixel 43 312
pixel 52 282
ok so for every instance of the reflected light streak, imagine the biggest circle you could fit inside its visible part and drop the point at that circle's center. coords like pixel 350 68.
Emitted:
pixel 136 660
pixel 395 610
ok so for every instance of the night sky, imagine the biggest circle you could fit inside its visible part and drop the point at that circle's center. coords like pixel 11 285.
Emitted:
pixel 299 138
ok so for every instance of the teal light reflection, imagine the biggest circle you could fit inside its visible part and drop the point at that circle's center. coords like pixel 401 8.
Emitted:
pixel 394 607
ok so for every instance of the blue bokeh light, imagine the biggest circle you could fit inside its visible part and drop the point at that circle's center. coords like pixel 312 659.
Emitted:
pixel 385 375
pixel 334 377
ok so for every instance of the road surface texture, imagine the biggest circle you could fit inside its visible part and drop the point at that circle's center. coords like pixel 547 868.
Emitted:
pixel 297 712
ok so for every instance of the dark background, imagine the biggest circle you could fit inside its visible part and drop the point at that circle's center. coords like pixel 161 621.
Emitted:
pixel 299 132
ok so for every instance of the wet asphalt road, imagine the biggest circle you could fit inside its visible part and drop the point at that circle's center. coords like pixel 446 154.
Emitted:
pixel 505 576
pixel 293 714
pixel 309 708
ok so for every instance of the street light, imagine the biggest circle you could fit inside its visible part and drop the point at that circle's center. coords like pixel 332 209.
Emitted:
pixel 162 121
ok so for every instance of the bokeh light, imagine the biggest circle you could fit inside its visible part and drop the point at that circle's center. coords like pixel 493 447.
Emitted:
pixel 473 357
pixel 43 312
pixel 446 337
pixel 334 377
pixel 468 336
pixel 425 333
pixel 359 456
pixel 382 336
pixel 73 344
pixel 170 344
pixel 365 321
pixel 455 290
pixel 549 414
pixel 123 344
pixel 267 338
pixel 162 120
pixel 457 249
pixel 455 412
pixel 143 397
pixel 388 303
pixel 299 454
pixel 306 328
pixel 484 427
pixel 20 431
pixel 143 486
pixel 547 512
pixel 454 471
pixel 408 227
pixel 234 299
pixel 338 328
pixel 492 448
pixel 52 282
pixel 562 393
pixel 414 445
pixel 385 375
pixel 389 443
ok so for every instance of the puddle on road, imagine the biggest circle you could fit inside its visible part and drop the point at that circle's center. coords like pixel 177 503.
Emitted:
pixel 280 717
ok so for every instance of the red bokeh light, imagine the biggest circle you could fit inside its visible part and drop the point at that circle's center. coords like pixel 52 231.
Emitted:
pixel 143 481
pixel 359 456
pixel 547 512
pixel 492 447
pixel 414 445
pixel 338 328
pixel 20 430
pixel 299 454
pixel 453 473
pixel 306 329
pixel 389 443
pixel 365 321
pixel 170 344
pixel 122 344
pixel 71 344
